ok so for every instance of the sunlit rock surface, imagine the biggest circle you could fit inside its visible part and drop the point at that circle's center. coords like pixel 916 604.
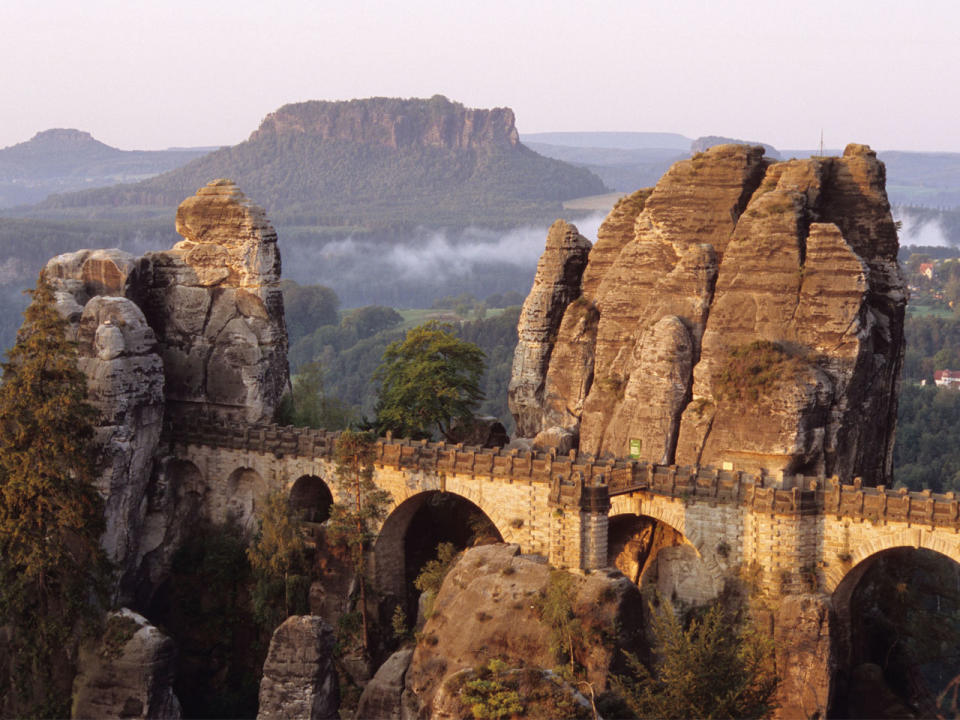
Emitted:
pixel 730 255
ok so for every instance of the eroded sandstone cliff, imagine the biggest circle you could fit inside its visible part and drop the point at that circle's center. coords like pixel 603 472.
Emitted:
pixel 195 329
pixel 742 311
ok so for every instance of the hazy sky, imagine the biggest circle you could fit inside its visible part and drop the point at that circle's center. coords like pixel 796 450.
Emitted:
pixel 150 75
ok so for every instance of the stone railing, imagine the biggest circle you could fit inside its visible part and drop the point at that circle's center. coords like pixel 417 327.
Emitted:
pixel 584 481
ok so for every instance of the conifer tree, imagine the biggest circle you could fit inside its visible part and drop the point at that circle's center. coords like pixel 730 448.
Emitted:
pixel 52 569
pixel 362 505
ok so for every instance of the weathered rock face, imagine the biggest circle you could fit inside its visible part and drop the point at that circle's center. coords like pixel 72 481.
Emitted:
pixel 382 697
pixel 299 679
pixel 128 674
pixel 395 123
pixel 118 354
pixel 215 304
pixel 557 284
pixel 486 608
pixel 805 656
pixel 751 313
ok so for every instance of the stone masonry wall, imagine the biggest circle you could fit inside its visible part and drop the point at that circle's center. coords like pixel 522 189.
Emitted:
pixel 802 533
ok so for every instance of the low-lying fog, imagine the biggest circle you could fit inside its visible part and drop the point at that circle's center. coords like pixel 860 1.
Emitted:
pixel 415 271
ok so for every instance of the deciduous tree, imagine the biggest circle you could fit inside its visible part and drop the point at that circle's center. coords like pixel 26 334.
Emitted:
pixel 427 381
pixel 278 558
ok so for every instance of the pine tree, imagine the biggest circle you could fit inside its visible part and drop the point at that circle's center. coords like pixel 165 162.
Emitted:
pixel 52 569
pixel 718 666
pixel 354 520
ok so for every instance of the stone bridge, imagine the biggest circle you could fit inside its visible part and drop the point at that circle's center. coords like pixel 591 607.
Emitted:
pixel 798 533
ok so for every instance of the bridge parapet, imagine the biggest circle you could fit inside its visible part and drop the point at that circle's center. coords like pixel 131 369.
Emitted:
pixel 573 477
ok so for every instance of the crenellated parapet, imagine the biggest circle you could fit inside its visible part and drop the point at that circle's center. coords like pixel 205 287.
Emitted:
pixel 575 479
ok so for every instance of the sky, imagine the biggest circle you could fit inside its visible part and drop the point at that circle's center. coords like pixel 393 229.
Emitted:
pixel 151 75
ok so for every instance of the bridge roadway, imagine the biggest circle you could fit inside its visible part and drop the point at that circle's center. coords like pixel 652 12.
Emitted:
pixel 802 533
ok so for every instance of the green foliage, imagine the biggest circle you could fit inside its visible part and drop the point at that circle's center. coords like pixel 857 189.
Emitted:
pixel 488 697
pixel 309 406
pixel 427 381
pixel 753 371
pixel 307 307
pixel 53 573
pixel 207 608
pixel 906 616
pixel 119 630
pixel 927 449
pixel 354 521
pixel 555 606
pixel 434 571
pixel 496 690
pixel 280 564
pixel 717 666
pixel 398 623
pixel 368 321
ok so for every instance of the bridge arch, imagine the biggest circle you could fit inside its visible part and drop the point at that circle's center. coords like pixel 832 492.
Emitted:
pixel 846 568
pixel 311 498
pixel 399 554
pixel 238 498
pixel 869 602
pixel 667 547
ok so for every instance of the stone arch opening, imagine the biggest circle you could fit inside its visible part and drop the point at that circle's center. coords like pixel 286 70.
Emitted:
pixel 237 499
pixel 311 499
pixel 898 636
pixel 656 555
pixel 174 498
pixel 411 533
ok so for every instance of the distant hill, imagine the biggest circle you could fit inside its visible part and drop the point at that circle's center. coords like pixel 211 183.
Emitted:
pixel 62 160
pixel 372 163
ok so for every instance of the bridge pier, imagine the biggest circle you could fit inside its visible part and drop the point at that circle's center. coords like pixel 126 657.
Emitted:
pixel 580 526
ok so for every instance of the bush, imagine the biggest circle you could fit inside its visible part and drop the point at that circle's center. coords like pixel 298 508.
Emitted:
pixel 754 370
pixel 716 665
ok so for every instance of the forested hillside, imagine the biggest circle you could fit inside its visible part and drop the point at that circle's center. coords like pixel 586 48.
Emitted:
pixel 64 160
pixel 373 163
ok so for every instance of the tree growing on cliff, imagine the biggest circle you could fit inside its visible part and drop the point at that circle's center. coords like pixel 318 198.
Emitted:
pixel 717 666
pixel 53 572
pixel 428 381
pixel 362 505
pixel 555 606
pixel 278 558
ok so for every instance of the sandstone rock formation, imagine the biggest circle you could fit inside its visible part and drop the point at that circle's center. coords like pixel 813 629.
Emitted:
pixel 741 311
pixel 214 301
pixel 299 679
pixel 806 658
pixel 395 123
pixel 382 697
pixel 555 287
pixel 128 673
pixel 119 355
pixel 486 608
pixel 198 328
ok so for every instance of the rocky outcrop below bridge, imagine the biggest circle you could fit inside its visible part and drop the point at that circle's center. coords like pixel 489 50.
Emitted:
pixel 741 312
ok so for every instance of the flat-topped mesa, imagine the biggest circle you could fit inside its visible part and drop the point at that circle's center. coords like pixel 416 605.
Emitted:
pixel 752 313
pixel 395 123
pixel 215 304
